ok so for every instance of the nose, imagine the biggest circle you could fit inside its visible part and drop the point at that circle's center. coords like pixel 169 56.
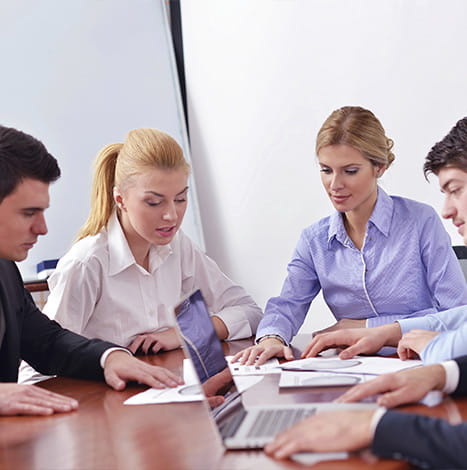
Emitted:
pixel 449 210
pixel 336 182
pixel 40 226
pixel 170 214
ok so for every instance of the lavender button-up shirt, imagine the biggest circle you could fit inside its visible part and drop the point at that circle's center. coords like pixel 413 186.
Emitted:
pixel 405 268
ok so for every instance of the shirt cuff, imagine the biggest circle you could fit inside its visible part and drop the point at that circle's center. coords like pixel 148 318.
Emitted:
pixel 376 418
pixel 111 350
pixel 452 376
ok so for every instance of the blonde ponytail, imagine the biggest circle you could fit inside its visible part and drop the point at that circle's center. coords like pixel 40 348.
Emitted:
pixel 102 201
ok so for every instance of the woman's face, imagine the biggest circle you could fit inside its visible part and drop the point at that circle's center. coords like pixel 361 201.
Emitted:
pixel 349 178
pixel 153 205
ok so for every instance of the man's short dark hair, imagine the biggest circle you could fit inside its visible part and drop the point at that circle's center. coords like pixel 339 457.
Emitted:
pixel 450 151
pixel 23 156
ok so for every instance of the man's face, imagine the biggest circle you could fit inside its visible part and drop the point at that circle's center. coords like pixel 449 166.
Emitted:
pixel 453 183
pixel 22 218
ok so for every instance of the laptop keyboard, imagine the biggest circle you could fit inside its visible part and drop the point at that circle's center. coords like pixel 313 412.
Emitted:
pixel 229 427
pixel 272 422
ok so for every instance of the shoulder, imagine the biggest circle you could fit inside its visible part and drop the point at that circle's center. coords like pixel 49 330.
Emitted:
pixel 10 276
pixel 318 232
pixel 412 207
pixel 89 251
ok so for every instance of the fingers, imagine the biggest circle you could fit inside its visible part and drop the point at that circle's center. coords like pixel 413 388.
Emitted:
pixel 393 399
pixel 379 385
pixel 31 400
pixel 249 355
pixel 358 348
pixel 215 400
pixel 134 346
pixel 120 367
pixel 288 354
pixel 283 446
pixel 320 343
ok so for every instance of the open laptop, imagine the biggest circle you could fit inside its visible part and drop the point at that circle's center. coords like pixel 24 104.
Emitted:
pixel 240 427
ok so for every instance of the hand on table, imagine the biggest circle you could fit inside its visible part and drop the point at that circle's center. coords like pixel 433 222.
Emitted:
pixel 331 431
pixel 354 340
pixel 406 386
pixel 18 399
pixel 343 323
pixel 414 342
pixel 120 367
pixel 155 342
pixel 216 384
pixel 261 352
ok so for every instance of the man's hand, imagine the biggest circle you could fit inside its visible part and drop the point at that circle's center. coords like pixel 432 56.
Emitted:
pixel 355 340
pixel 325 432
pixel 16 399
pixel 406 386
pixel 414 342
pixel 120 368
pixel 343 323
pixel 154 342
pixel 260 353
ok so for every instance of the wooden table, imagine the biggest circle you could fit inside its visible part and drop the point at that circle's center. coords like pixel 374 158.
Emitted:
pixel 105 434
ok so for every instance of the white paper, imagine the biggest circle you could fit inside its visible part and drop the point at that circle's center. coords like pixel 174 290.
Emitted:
pixel 293 379
pixel 188 392
pixel 357 365
pixel 271 366
pixel 244 382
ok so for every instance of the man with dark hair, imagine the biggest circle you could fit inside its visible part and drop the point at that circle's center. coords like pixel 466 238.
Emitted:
pixel 26 170
pixel 424 441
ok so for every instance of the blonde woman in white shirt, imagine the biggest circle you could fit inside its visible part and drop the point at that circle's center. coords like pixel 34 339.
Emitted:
pixel 132 263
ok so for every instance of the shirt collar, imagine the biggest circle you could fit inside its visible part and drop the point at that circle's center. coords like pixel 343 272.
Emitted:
pixel 381 218
pixel 120 255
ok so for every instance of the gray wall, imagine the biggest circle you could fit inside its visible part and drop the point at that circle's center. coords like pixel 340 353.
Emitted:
pixel 79 75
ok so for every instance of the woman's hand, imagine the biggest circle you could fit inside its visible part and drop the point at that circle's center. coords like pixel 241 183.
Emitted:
pixel 264 350
pixel 154 342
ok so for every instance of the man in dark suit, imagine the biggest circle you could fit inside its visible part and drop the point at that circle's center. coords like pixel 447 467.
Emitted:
pixel 421 440
pixel 26 170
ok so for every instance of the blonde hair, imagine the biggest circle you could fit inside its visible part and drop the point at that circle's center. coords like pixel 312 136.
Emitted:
pixel 359 128
pixel 116 164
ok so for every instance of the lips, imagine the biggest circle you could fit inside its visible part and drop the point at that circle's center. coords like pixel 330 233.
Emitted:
pixel 166 231
pixel 339 199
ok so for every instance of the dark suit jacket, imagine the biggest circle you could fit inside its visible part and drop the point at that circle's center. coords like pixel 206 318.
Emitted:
pixel 43 343
pixel 424 441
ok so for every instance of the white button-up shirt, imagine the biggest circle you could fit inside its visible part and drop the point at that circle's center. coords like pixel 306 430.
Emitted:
pixel 99 291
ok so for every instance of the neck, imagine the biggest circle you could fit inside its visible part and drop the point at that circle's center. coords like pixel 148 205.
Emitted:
pixel 355 222
pixel 138 246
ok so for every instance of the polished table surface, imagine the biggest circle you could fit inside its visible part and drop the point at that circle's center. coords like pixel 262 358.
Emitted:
pixel 105 434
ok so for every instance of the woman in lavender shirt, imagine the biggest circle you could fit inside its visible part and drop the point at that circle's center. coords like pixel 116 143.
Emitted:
pixel 377 259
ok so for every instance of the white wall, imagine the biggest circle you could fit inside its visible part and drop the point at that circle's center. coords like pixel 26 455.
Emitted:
pixel 79 75
pixel 261 78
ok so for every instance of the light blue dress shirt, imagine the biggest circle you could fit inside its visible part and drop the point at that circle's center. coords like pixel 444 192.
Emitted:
pixel 405 268
pixel 450 343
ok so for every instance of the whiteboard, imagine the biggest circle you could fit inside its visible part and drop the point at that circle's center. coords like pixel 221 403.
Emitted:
pixel 79 75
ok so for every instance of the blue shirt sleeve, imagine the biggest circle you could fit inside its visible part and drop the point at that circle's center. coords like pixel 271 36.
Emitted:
pixel 285 314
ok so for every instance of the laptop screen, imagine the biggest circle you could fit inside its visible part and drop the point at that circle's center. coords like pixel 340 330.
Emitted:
pixel 199 336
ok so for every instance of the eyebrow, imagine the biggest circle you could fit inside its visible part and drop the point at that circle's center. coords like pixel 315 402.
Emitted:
pixel 162 195
pixel 345 166
pixel 35 209
pixel 448 182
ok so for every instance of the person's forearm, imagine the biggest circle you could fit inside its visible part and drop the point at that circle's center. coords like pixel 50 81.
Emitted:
pixel 221 330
